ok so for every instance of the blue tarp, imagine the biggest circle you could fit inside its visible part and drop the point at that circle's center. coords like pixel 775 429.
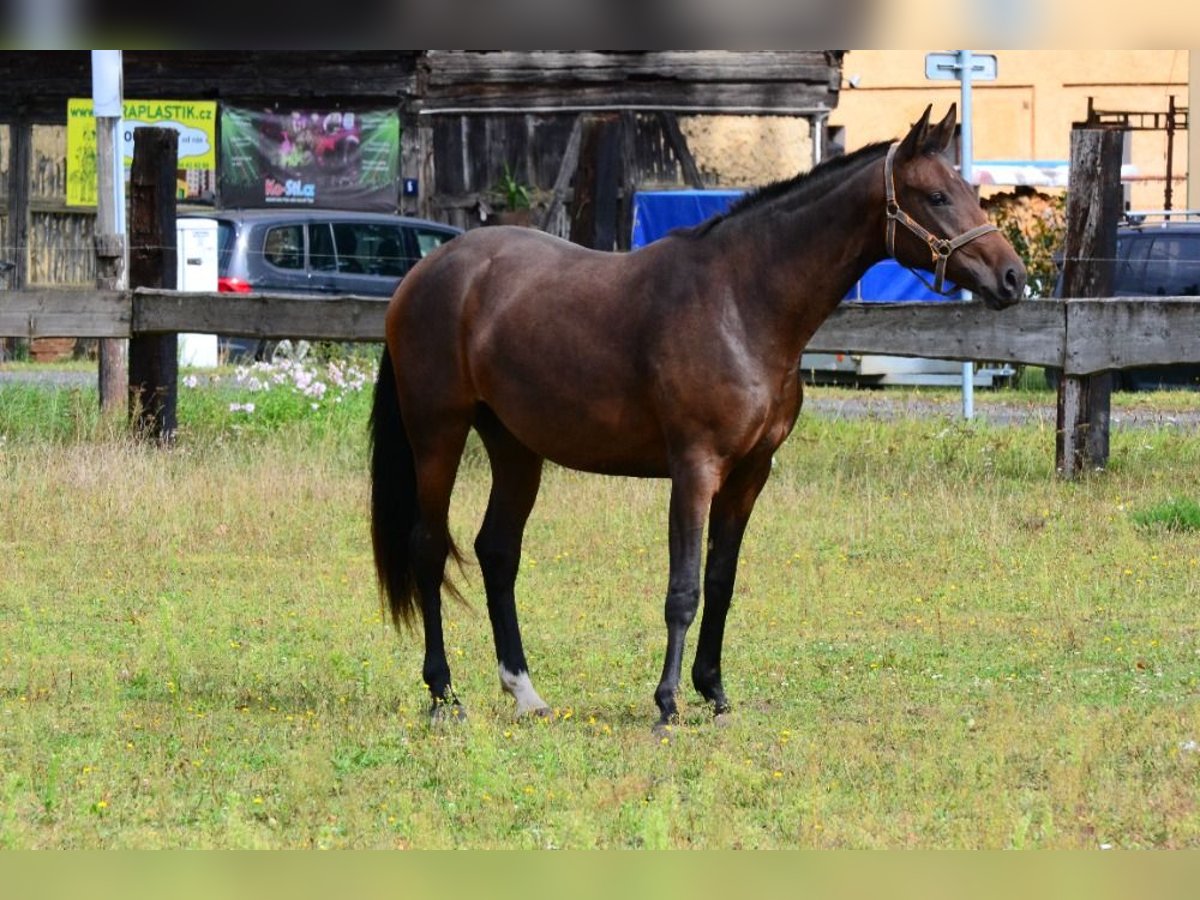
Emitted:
pixel 657 212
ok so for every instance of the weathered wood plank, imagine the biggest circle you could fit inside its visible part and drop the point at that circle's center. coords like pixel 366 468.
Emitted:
pixel 691 172
pixel 59 312
pixel 1033 333
pixel 153 358
pixel 37 83
pixel 565 172
pixel 1093 208
pixel 1081 336
pixel 1119 334
pixel 344 318
pixel 450 67
pixel 727 96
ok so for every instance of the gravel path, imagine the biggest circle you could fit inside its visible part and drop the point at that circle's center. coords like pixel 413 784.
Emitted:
pixel 882 404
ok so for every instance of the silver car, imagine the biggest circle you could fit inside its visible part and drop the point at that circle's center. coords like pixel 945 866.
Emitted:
pixel 315 251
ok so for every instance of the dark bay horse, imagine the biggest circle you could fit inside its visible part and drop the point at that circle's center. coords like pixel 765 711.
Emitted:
pixel 679 360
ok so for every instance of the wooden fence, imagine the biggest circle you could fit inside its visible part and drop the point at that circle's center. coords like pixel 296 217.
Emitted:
pixel 1079 336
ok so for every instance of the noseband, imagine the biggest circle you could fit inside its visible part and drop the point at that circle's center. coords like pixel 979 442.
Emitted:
pixel 939 248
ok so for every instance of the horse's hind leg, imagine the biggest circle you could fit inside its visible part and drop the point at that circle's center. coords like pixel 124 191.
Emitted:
pixel 436 456
pixel 516 474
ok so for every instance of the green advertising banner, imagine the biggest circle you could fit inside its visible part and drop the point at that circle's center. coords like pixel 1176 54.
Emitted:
pixel 310 157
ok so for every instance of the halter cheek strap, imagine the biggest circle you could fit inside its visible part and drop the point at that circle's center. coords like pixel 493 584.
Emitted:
pixel 939 248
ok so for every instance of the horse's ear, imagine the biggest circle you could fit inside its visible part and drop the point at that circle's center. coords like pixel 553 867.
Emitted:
pixel 914 141
pixel 940 137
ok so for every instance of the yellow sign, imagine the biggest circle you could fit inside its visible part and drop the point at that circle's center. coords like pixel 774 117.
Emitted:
pixel 195 120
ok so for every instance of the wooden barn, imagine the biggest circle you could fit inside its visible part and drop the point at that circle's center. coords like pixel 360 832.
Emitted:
pixel 575 133
pixel 583 130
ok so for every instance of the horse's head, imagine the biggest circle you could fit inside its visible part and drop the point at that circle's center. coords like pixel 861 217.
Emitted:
pixel 935 221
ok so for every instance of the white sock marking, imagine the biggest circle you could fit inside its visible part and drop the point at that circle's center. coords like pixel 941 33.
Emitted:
pixel 522 691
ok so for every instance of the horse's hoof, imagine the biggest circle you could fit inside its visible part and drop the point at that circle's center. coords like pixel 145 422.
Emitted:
pixel 536 713
pixel 664 730
pixel 722 712
pixel 444 711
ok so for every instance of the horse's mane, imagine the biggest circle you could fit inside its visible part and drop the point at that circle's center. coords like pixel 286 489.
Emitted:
pixel 799 189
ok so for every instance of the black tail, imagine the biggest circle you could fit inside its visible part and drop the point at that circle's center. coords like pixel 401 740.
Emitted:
pixel 393 499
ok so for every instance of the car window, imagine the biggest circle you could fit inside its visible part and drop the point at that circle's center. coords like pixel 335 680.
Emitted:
pixel 348 237
pixel 369 248
pixel 1173 266
pixel 321 255
pixel 389 255
pixel 428 241
pixel 284 247
pixel 1132 251
pixel 226 238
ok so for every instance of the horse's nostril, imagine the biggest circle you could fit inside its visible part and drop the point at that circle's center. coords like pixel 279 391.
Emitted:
pixel 1012 281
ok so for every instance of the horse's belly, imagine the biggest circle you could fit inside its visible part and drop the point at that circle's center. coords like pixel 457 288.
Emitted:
pixel 607 438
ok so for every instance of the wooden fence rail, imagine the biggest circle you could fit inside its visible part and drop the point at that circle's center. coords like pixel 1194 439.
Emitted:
pixel 1078 336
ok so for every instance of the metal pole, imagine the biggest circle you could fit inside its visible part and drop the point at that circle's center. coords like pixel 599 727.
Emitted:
pixel 964 62
pixel 111 263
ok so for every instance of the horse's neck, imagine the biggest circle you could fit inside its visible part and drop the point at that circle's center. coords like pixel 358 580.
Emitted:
pixel 807 257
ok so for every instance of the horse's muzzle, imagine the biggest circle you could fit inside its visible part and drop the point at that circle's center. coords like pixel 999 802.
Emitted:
pixel 1008 289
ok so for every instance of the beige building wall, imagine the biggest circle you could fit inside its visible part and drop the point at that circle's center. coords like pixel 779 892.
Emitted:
pixel 1028 111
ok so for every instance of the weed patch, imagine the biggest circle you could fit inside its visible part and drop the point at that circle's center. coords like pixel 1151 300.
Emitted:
pixel 1175 514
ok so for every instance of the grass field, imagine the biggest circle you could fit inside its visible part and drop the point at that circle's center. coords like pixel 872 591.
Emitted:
pixel 935 643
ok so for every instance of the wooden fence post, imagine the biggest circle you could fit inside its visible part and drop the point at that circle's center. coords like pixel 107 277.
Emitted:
pixel 1093 210
pixel 20 148
pixel 153 358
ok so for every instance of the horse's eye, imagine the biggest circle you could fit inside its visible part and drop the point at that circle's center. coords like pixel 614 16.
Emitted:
pixel 937 198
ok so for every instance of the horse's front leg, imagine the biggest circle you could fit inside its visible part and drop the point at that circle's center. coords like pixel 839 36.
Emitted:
pixel 731 510
pixel 692 489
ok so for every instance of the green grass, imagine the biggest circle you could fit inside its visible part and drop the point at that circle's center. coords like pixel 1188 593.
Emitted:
pixel 1174 514
pixel 935 643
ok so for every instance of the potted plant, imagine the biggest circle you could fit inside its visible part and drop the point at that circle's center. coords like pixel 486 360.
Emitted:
pixel 517 201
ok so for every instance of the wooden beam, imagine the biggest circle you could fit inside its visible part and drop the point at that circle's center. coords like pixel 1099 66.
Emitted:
pixel 20 149
pixel 1093 209
pixel 691 171
pixel 1120 334
pixel 566 171
pixel 37 83
pixel 1032 333
pixel 609 151
pixel 342 318
pixel 765 98
pixel 19 159
pixel 63 312
pixel 526 67
pixel 153 358
pixel 1081 336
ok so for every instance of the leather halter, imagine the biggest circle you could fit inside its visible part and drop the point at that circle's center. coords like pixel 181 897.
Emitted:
pixel 939 248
